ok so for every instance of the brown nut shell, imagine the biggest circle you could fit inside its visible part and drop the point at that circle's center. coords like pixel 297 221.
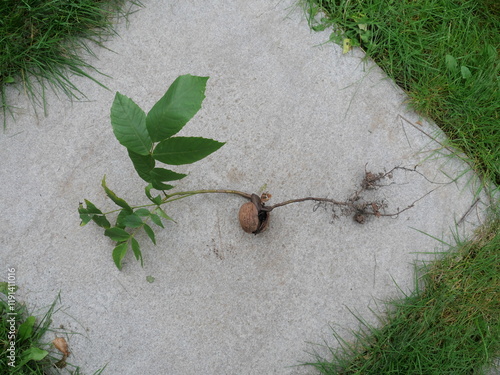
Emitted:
pixel 249 217
pixel 252 219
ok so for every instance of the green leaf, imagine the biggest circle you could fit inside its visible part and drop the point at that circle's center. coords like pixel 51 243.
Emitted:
pixel 319 27
pixel 336 37
pixel 143 164
pixel 118 254
pixel 161 174
pixel 150 279
pixel 101 221
pixel 92 213
pixel 150 233
pixel 158 185
pixel 121 216
pixel 156 219
pixel 31 354
pixel 179 104
pixel 136 248
pixel 26 329
pixel 155 200
pixel 366 36
pixel 466 73
pixel 117 234
pixel 142 212
pixel 184 150
pixel 83 215
pixel 163 214
pixel 132 221
pixel 91 208
pixel 451 63
pixel 119 201
pixel 129 125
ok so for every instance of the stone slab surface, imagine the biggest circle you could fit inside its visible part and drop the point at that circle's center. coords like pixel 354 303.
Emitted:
pixel 299 118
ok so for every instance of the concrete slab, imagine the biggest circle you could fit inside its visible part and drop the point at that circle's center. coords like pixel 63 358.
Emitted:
pixel 298 117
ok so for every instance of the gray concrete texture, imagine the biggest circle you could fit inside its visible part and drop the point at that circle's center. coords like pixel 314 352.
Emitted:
pixel 299 117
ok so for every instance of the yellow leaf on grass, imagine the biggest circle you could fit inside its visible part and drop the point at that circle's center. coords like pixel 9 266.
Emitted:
pixel 346 45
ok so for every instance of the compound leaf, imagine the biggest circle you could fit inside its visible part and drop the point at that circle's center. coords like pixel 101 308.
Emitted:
pixel 184 150
pixel 118 253
pixel 129 125
pixel 179 104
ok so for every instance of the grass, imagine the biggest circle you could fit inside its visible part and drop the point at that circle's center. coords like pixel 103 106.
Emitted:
pixel 450 324
pixel 444 54
pixel 44 42
pixel 27 335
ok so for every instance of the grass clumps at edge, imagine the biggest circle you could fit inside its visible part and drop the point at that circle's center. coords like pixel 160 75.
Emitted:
pixel 33 354
pixel 443 53
pixel 43 43
pixel 449 325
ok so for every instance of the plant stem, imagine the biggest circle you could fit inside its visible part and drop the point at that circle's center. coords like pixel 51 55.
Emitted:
pixel 370 179
pixel 308 199
pixel 185 194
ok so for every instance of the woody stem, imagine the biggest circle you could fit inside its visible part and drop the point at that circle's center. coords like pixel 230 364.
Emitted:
pixel 270 208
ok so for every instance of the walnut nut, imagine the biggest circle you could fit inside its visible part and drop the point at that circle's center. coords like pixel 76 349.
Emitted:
pixel 249 217
pixel 253 217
